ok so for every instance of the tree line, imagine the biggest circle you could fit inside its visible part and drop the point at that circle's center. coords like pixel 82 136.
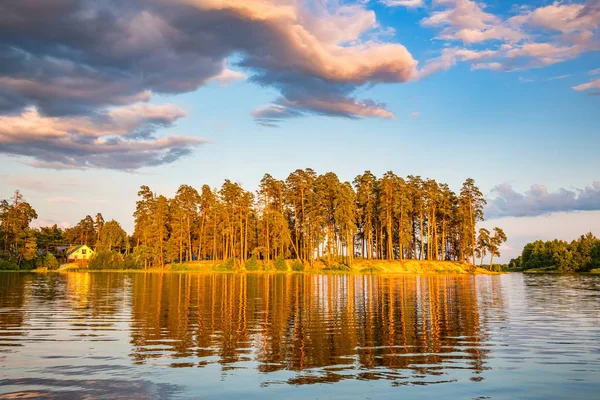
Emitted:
pixel 580 255
pixel 306 217
pixel 24 247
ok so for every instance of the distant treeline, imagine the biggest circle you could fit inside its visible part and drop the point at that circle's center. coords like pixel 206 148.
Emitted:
pixel 580 255
pixel 304 217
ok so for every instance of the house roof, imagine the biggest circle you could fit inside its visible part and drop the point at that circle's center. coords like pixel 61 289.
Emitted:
pixel 73 249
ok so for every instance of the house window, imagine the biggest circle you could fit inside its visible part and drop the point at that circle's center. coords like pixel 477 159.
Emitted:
pixel 83 251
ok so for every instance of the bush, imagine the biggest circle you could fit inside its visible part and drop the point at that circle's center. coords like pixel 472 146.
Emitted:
pixel 131 262
pixel 337 268
pixel 106 259
pixel 6 265
pixel 297 266
pixel 252 264
pixel 229 265
pixel 595 271
pixel 371 270
pixel 49 261
pixel 280 264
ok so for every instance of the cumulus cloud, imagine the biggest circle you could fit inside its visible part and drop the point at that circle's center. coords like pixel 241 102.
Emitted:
pixel 506 202
pixel 77 59
pixel 466 20
pixel 533 38
pixel 122 138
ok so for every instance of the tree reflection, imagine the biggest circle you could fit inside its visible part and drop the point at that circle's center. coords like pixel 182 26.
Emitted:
pixel 324 327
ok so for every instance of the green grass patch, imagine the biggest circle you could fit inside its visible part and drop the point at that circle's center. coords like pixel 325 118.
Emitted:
pixel 297 266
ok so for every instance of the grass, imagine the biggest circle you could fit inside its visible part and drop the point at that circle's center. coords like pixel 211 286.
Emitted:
pixel 359 266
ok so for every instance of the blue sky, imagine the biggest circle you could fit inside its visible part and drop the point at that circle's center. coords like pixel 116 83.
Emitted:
pixel 506 93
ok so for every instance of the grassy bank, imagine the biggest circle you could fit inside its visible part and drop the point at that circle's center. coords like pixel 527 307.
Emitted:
pixel 358 267
pixel 414 267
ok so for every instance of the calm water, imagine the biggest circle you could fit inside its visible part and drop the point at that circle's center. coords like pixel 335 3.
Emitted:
pixel 151 336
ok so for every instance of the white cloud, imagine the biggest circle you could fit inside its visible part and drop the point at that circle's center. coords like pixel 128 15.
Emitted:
pixel 403 3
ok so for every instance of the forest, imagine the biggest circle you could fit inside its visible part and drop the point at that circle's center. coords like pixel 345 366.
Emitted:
pixel 307 218
pixel 580 255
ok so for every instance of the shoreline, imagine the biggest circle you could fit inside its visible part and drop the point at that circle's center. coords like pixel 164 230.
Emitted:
pixel 361 267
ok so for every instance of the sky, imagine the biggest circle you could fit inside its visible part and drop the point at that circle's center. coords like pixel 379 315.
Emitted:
pixel 99 98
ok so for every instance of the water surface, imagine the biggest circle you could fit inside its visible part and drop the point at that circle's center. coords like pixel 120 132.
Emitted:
pixel 172 336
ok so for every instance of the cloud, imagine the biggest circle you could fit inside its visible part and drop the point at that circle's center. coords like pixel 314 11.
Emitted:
pixel 415 114
pixel 526 80
pixel 594 72
pixel 566 18
pixel 122 138
pixel 40 223
pixel 73 57
pixel 595 84
pixel 466 21
pixel 228 76
pixel 402 3
pixel 506 202
pixel 71 200
pixel 556 78
pixel 533 38
pixel 39 185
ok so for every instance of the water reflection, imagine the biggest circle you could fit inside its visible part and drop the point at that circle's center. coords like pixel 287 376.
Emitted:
pixel 155 336
pixel 325 327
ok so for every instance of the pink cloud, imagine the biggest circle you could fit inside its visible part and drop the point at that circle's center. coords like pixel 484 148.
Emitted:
pixel 586 86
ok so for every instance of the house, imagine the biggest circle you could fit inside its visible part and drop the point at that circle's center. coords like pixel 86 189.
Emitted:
pixel 79 253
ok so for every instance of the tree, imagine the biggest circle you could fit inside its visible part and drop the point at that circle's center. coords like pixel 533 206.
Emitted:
pixel 19 242
pixel 471 207
pixel 494 244
pixel 483 244
pixel 111 236
pixel 365 185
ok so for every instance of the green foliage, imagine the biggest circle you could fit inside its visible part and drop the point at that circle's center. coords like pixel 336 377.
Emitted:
pixel 371 270
pixel 130 262
pixel 252 264
pixel 297 266
pixel 337 268
pixel 6 265
pixel 595 271
pixel 280 263
pixel 228 265
pixel 106 259
pixel 49 261
pixel 581 255
pixel 111 236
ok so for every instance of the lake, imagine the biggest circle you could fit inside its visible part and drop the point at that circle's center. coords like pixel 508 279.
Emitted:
pixel 117 335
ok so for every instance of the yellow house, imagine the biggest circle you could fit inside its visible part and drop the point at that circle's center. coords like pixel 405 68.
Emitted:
pixel 79 253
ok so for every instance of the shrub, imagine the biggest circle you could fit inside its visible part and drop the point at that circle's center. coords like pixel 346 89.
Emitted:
pixel 106 259
pixel 50 262
pixel 131 262
pixel 252 264
pixel 337 268
pixel 6 265
pixel 595 271
pixel 229 265
pixel 371 270
pixel 297 266
pixel 280 264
